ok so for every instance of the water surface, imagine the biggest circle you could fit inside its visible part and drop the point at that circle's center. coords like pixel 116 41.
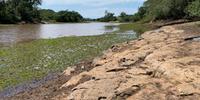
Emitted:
pixel 10 34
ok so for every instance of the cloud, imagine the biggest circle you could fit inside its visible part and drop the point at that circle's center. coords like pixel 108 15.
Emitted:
pixel 87 2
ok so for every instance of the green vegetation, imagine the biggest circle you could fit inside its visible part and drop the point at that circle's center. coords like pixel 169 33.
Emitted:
pixel 68 16
pixel 168 9
pixel 14 11
pixel 123 17
pixel 61 16
pixel 139 15
pixel 108 17
pixel 137 27
pixel 153 10
pixel 34 60
pixel 27 11
pixel 194 9
pixel 47 15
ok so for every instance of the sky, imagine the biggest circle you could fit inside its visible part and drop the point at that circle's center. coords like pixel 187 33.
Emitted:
pixel 94 8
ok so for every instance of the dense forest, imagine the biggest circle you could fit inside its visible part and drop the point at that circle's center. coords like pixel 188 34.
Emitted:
pixel 13 11
pixel 168 10
pixel 61 16
pixel 27 11
pixel 153 10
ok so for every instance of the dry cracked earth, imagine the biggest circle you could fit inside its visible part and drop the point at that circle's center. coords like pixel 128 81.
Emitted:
pixel 164 64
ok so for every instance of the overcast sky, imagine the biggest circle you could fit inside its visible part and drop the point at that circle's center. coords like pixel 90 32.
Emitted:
pixel 94 8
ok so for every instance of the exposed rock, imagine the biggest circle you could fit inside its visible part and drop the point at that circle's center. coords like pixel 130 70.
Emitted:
pixel 126 93
pixel 68 71
pixel 162 67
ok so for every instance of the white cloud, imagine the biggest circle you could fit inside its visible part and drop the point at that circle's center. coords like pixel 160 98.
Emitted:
pixel 87 2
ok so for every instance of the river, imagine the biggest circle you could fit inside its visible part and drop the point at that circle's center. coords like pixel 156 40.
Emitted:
pixel 11 34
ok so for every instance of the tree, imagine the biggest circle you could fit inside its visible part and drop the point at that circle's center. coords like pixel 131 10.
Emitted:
pixel 193 9
pixel 108 17
pixel 28 10
pixel 68 16
pixel 123 17
pixel 13 11
pixel 163 9
pixel 47 14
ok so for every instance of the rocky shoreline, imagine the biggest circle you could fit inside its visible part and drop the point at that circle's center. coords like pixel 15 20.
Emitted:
pixel 162 65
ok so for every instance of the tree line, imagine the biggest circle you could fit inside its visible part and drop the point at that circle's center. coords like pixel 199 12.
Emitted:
pixel 27 11
pixel 72 16
pixel 61 16
pixel 15 11
pixel 153 10
pixel 109 17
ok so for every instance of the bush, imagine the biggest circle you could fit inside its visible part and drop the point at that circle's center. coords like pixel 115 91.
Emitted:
pixel 108 17
pixel 193 9
pixel 68 16
pixel 168 9
pixel 47 14
pixel 13 11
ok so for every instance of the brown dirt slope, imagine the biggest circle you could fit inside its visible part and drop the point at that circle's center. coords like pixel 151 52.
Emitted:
pixel 161 65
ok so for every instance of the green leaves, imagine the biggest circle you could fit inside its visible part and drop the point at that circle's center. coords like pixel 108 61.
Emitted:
pixel 68 16
pixel 125 17
pixel 108 17
pixel 169 9
pixel 14 11
pixel 193 9
pixel 47 14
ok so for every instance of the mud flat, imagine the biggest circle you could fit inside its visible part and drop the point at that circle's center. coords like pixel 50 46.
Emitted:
pixel 164 64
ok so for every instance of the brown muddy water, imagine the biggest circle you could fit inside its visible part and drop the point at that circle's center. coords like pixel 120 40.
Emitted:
pixel 11 34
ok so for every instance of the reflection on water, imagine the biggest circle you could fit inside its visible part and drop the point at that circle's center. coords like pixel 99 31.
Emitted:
pixel 10 34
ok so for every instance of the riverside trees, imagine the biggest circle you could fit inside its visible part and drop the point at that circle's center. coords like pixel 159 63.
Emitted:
pixel 168 9
pixel 68 16
pixel 14 11
pixel 61 16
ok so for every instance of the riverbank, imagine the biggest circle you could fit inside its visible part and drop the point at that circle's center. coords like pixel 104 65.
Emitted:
pixel 162 64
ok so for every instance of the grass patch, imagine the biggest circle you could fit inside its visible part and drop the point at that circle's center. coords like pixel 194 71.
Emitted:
pixel 138 27
pixel 34 60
